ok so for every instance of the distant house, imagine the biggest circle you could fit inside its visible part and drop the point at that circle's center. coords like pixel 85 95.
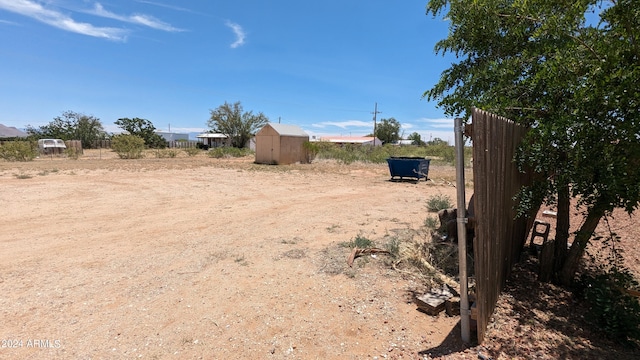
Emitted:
pixel 281 144
pixel 213 140
pixel 353 140
pixel 169 136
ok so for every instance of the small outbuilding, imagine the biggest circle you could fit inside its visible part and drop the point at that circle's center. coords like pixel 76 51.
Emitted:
pixel 213 140
pixel 281 144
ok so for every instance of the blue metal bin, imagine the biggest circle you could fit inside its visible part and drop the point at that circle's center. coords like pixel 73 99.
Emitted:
pixel 408 167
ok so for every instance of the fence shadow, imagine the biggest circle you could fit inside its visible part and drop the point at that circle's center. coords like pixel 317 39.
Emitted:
pixel 450 345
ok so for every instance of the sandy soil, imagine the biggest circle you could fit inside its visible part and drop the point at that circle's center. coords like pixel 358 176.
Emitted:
pixel 200 258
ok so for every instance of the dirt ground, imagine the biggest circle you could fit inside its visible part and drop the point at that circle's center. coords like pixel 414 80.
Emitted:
pixel 201 258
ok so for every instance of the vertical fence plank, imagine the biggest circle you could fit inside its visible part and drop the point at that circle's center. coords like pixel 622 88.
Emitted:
pixel 499 236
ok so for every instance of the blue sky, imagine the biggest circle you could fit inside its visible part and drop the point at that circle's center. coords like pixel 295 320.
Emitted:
pixel 319 65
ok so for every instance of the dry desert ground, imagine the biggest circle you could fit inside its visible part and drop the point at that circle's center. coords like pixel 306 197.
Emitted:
pixel 202 258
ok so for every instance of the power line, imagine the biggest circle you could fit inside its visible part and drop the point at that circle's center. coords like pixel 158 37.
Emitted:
pixel 375 114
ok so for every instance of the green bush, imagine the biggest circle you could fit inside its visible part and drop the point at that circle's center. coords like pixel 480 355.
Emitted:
pixel 438 202
pixel 128 146
pixel 603 286
pixel 18 151
pixel 229 152
pixel 611 309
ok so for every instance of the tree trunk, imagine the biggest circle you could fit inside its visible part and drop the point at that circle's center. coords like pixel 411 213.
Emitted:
pixel 580 242
pixel 546 261
pixel 562 228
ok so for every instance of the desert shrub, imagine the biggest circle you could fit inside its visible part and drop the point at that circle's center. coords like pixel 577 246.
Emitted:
pixel 229 152
pixel 18 151
pixel 166 153
pixel 431 223
pixel 438 202
pixel 393 246
pixel 128 146
pixel 192 151
pixel 359 241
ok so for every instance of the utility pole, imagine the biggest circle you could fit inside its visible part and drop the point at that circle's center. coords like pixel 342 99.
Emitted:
pixel 375 113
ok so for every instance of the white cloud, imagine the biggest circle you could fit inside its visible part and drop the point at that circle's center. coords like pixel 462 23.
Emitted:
pixel 7 22
pixel 184 130
pixel 344 124
pixel 172 7
pixel 439 123
pixel 240 34
pixel 57 19
pixel 140 19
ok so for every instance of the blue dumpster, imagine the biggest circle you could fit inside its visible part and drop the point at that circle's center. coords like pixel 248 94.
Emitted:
pixel 408 167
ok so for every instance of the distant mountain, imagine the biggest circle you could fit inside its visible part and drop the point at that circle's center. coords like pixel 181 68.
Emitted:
pixel 6 132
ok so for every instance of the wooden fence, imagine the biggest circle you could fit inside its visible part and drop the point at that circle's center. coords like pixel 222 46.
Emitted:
pixel 106 144
pixel 499 237
pixel 182 144
pixel 74 144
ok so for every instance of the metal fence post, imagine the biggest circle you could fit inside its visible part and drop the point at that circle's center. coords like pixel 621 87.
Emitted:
pixel 462 233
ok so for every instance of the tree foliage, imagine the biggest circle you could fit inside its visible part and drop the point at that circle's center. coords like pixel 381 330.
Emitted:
pixel 416 139
pixel 388 130
pixel 572 81
pixel 437 142
pixel 143 128
pixel 239 126
pixel 72 126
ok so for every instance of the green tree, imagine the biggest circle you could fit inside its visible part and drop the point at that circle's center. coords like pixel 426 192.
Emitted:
pixel 239 126
pixel 416 139
pixel 437 142
pixel 144 129
pixel 540 63
pixel 72 126
pixel 388 130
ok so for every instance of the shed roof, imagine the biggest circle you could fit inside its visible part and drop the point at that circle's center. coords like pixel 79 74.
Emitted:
pixel 288 130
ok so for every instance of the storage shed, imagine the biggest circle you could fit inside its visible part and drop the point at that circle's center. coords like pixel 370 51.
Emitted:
pixel 281 144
